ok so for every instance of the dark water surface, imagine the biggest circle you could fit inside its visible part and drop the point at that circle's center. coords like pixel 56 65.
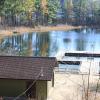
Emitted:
pixel 50 43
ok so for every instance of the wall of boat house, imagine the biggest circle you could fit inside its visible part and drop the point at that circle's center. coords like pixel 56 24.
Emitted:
pixel 12 88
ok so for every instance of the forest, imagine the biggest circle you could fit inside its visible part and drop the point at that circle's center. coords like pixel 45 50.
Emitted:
pixel 49 12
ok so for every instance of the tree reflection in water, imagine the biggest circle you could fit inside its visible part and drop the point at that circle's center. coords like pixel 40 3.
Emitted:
pixel 49 43
pixel 25 45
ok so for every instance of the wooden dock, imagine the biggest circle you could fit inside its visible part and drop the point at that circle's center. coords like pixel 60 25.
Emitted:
pixel 82 54
pixel 70 62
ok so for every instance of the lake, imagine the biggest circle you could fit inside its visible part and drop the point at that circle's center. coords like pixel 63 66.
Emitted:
pixel 49 44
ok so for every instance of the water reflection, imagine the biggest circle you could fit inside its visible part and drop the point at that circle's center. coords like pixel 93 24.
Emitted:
pixel 42 44
pixel 49 43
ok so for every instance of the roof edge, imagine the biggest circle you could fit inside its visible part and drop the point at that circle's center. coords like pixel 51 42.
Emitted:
pixel 29 57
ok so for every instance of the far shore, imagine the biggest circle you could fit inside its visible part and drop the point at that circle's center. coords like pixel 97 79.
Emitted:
pixel 5 31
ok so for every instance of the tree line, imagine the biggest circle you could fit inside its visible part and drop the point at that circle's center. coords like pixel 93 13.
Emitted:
pixel 82 12
pixel 28 12
pixel 49 12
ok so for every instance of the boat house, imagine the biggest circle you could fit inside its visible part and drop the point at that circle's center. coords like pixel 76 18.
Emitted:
pixel 25 77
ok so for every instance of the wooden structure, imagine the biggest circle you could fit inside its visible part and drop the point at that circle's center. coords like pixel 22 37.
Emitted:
pixel 82 54
pixel 84 59
pixel 70 62
pixel 17 74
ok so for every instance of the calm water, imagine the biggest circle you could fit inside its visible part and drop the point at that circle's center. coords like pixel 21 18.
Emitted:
pixel 50 43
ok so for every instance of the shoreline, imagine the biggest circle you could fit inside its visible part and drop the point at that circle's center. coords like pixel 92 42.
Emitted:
pixel 7 31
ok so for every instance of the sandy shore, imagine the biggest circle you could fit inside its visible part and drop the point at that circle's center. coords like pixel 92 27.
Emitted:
pixel 19 30
pixel 70 87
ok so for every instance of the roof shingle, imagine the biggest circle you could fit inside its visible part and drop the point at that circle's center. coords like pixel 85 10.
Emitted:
pixel 18 67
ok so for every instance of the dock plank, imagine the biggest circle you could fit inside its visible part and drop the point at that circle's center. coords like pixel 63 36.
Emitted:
pixel 82 54
pixel 69 62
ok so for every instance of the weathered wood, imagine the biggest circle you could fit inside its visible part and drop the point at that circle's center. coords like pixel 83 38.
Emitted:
pixel 82 54
pixel 70 62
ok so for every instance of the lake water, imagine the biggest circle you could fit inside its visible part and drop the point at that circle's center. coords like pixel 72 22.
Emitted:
pixel 50 43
